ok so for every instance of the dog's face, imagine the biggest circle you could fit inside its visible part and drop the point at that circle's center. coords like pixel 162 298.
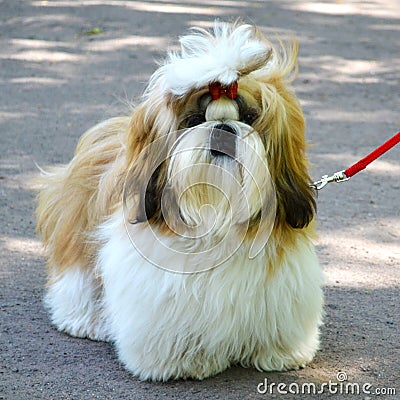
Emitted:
pixel 205 157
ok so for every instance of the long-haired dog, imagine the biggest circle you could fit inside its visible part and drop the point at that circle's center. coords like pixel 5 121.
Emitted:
pixel 183 233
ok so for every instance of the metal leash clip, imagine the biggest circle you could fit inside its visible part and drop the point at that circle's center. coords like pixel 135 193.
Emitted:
pixel 325 179
pixel 346 174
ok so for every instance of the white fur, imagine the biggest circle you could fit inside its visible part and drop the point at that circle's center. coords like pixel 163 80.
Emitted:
pixel 167 325
pixel 204 59
pixel 74 302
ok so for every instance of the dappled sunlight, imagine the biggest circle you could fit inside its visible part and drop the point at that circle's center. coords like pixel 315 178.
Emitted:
pixel 341 115
pixel 20 173
pixel 43 55
pixel 341 70
pixel 8 115
pixel 158 7
pixel 40 18
pixel 381 167
pixel 377 8
pixel 354 67
pixel 37 51
pixel 388 27
pixel 339 8
pixel 378 167
pixel 20 245
pixel 362 254
pixel 222 3
pixel 20 250
pixel 363 247
pixel 352 261
pixel 39 81
pixel 19 44
pixel 155 42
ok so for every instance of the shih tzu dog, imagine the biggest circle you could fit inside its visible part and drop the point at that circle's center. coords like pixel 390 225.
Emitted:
pixel 183 233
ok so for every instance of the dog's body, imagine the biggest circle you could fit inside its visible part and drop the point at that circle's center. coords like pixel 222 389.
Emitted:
pixel 181 303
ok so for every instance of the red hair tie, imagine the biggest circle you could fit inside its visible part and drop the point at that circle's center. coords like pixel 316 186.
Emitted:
pixel 217 90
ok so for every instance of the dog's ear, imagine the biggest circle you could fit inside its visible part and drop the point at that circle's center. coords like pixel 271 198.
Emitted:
pixel 149 202
pixel 283 127
pixel 150 133
pixel 288 164
pixel 295 199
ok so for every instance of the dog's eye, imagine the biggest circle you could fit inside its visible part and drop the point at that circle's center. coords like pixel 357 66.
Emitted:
pixel 204 101
pixel 249 116
pixel 194 120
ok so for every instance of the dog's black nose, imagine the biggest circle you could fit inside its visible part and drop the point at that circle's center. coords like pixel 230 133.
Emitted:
pixel 223 141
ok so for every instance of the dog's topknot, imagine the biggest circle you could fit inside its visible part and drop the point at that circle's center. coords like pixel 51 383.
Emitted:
pixel 223 54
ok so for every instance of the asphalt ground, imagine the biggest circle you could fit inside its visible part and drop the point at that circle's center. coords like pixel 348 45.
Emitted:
pixel 66 65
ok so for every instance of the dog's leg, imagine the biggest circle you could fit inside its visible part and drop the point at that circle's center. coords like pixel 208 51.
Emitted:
pixel 294 300
pixel 74 301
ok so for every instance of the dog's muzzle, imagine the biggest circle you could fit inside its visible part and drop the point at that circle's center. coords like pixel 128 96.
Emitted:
pixel 223 141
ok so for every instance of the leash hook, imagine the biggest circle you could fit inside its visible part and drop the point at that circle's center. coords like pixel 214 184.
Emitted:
pixel 346 174
pixel 325 179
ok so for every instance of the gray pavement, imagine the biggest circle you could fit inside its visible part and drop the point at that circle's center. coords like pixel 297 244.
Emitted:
pixel 65 65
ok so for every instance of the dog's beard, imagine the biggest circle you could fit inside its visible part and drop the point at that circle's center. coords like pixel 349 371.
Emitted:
pixel 209 202
pixel 212 194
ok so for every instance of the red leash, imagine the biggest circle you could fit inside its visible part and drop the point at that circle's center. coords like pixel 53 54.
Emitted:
pixel 346 174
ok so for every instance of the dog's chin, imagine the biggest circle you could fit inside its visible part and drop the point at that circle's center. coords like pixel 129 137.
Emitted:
pixel 213 188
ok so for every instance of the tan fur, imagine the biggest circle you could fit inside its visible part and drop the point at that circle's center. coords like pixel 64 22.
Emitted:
pixel 75 198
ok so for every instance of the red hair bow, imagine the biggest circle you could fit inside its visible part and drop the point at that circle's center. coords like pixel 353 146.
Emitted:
pixel 217 90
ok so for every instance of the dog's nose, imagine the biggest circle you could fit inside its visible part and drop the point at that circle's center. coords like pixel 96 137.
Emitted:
pixel 223 141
